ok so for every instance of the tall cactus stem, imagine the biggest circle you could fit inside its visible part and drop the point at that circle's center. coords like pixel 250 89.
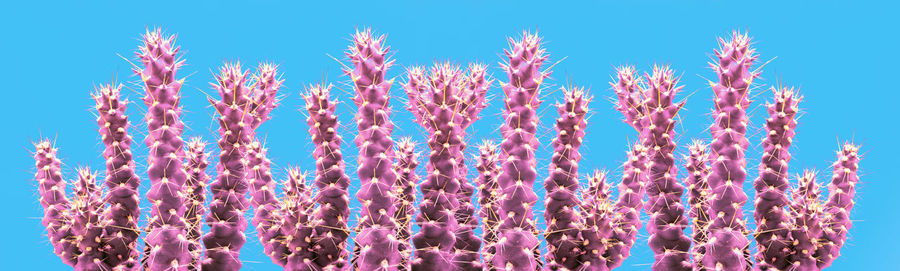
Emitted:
pixel 563 222
pixel 772 220
pixel 379 248
pixel 728 244
pixel 517 240
pixel 167 243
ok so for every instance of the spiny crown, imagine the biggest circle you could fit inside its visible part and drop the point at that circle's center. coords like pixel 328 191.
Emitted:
pixel 629 95
pixel 661 90
pixel 108 99
pixel 785 103
pixel 575 101
pixel 369 57
pixel 525 59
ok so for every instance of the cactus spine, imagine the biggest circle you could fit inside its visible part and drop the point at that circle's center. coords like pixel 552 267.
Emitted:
pixel 378 246
pixel 563 221
pixel 167 243
pixel 517 240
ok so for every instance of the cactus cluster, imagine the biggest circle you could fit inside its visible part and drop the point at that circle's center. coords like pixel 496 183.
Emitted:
pixel 483 223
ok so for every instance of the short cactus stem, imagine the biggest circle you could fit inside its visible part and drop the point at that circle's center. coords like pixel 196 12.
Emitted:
pixel 167 245
pixel 267 218
pixel 297 205
pixel 195 164
pixel 563 222
pixel 697 167
pixel 517 241
pixel 627 209
pixel 806 229
pixel 87 226
pixel 667 239
pixel 242 108
pixel 841 191
pixel 121 179
pixel 728 243
pixel 488 194
pixel 57 213
pixel 468 244
pixel 772 220
pixel 378 245
pixel 405 166
pixel 226 210
pixel 330 218
pixel 597 216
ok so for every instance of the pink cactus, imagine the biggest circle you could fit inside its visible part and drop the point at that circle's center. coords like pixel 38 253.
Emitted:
pixel 488 196
pixel 121 181
pixel 378 246
pixel 563 235
pixel 167 247
pixel 772 220
pixel 306 227
pixel 517 239
pixel 195 164
pixel 330 218
pixel 407 161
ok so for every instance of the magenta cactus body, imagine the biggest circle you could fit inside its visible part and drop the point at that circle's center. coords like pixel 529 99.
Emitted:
pixel 87 225
pixel 517 239
pixel 806 213
pixel 476 84
pixel 772 220
pixel 376 239
pixel 167 245
pixel 121 179
pixel 297 204
pixel 242 108
pixel 195 164
pixel 841 191
pixel 728 242
pixel 267 217
pixel 563 221
pixel 631 189
pixel 446 101
pixel 596 213
pixel 488 195
pixel 697 167
pixel 330 220
pixel 435 100
pixel 306 228
pixel 405 166
pixel 666 228
pixel 52 190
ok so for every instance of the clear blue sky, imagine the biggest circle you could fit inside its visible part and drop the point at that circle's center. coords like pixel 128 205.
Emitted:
pixel 842 56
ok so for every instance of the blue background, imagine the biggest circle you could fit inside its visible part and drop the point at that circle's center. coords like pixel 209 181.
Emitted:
pixel 842 56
